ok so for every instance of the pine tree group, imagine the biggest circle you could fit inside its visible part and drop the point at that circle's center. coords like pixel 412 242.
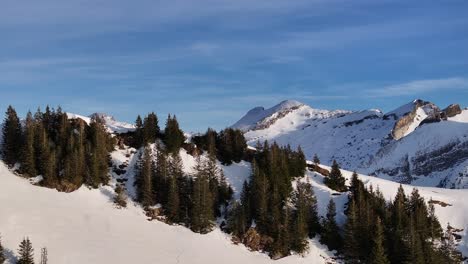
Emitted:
pixel 403 231
pixel 67 153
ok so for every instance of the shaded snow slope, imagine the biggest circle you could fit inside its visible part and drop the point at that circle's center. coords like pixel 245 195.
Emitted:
pixel 409 144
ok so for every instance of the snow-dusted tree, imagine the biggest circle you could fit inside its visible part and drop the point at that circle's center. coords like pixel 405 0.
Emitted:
pixel 25 252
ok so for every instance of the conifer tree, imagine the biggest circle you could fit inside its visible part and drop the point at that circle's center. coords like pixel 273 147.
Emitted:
pixel 173 195
pixel 351 243
pixel 335 180
pixel 97 154
pixel 306 219
pixel 144 179
pixel 378 255
pixel 28 160
pixel 2 253
pixel 202 201
pixel 173 135
pixel 237 220
pixel 26 252
pixel 330 235
pixel 139 139
pixel 162 174
pixel 11 137
pixel 150 128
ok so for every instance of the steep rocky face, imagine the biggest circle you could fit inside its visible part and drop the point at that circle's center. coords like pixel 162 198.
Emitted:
pixel 452 110
pixel 422 112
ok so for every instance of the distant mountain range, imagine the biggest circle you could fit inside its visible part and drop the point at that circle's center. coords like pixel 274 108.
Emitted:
pixel 417 143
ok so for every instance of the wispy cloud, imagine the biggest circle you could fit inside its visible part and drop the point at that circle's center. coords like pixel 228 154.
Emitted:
pixel 419 87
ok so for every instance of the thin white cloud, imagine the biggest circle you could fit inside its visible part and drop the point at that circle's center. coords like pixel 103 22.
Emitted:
pixel 419 87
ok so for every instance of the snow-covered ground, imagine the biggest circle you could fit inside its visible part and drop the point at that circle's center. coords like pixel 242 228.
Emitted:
pixel 85 227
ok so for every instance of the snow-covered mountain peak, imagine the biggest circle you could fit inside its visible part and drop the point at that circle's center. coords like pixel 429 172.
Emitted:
pixel 113 126
pixel 417 142
pixel 261 117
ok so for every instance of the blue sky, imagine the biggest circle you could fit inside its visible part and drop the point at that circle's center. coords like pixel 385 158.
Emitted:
pixel 210 61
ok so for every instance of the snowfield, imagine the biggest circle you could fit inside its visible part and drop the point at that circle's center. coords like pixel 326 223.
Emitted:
pixel 85 227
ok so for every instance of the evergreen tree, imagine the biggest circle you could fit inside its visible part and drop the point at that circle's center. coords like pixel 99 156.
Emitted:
pixel 151 129
pixel 98 157
pixel 28 160
pixel 202 201
pixel 330 235
pixel 175 173
pixel 306 218
pixel 144 179
pixel 26 252
pixel 173 135
pixel 139 138
pixel 11 137
pixel 378 255
pixel 2 253
pixel 351 240
pixel 335 180
pixel 237 220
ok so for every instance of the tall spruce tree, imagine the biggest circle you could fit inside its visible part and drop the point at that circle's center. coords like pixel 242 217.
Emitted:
pixel 351 240
pixel 305 216
pixel 151 128
pixel 378 255
pixel 144 179
pixel 98 157
pixel 11 137
pixel 28 160
pixel 202 201
pixel 335 180
pixel 173 194
pixel 330 234
pixel 138 137
pixel 25 252
pixel 173 135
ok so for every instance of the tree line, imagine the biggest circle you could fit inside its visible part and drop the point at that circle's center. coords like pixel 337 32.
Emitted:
pixel 65 152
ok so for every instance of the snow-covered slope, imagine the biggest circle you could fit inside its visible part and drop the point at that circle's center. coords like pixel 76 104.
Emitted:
pixel 416 143
pixel 85 227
